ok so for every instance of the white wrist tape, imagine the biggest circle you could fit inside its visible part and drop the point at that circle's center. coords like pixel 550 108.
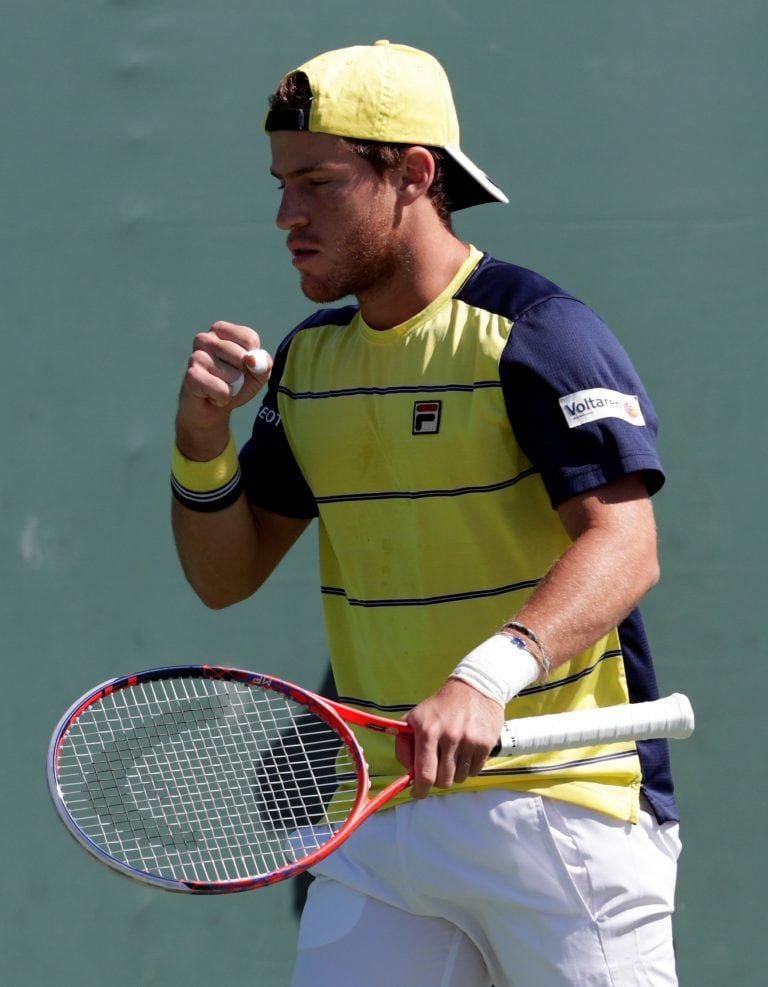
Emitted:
pixel 499 668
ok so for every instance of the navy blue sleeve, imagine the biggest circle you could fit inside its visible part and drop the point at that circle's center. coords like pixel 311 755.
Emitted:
pixel 272 477
pixel 575 402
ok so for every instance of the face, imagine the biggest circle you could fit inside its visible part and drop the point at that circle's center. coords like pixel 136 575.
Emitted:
pixel 340 215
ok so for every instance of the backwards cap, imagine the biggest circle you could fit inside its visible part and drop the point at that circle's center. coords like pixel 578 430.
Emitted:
pixel 392 94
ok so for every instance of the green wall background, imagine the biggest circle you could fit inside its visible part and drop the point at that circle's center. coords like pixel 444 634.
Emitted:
pixel 135 209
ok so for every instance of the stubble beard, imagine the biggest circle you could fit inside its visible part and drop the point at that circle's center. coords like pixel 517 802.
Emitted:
pixel 365 266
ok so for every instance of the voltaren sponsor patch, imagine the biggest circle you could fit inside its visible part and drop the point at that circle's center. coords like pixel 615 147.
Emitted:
pixel 595 403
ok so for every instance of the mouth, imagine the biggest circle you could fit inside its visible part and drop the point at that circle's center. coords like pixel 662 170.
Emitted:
pixel 302 253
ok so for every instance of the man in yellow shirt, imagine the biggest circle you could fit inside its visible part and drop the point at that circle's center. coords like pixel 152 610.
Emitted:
pixel 480 455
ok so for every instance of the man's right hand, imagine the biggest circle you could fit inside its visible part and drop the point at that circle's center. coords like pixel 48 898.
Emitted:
pixel 209 393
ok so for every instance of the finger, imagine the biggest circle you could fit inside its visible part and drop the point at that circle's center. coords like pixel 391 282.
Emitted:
pixel 230 344
pixel 468 764
pixel 224 351
pixel 404 750
pixel 226 343
pixel 448 765
pixel 213 379
pixel 243 336
pixel 463 768
pixel 425 763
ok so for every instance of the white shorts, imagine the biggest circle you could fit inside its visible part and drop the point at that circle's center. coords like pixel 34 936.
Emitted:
pixel 480 888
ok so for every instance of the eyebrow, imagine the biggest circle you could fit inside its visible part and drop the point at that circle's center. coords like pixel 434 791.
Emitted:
pixel 298 172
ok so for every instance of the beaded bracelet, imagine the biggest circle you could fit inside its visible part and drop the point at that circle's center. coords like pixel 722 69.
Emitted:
pixel 542 658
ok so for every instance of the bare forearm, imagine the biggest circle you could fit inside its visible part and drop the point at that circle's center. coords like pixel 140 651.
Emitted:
pixel 227 552
pixel 587 593
pixel 217 552
pixel 228 555
pixel 603 575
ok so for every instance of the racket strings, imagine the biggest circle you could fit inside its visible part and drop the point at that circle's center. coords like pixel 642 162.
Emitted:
pixel 205 779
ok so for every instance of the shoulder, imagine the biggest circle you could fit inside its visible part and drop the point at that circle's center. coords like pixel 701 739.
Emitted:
pixel 549 323
pixel 543 313
pixel 509 290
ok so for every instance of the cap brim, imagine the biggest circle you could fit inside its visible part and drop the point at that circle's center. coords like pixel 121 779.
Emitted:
pixel 467 184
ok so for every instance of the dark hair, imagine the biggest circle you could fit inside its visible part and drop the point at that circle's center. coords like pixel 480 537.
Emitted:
pixel 294 93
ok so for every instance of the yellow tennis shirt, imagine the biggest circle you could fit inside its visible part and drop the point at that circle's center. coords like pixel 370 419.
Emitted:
pixel 434 455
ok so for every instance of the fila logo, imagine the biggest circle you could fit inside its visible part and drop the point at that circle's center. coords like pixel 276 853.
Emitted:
pixel 426 417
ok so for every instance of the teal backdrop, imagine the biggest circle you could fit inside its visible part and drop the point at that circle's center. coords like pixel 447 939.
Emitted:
pixel 136 208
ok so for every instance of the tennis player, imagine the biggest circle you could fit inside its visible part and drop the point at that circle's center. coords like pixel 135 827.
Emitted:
pixel 480 455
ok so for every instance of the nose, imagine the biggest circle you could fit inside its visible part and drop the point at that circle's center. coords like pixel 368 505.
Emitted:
pixel 291 213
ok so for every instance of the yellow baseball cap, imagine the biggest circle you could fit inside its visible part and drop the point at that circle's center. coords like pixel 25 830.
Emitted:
pixel 392 94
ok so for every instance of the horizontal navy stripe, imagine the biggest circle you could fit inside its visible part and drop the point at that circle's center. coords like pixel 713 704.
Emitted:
pixel 428 601
pixel 569 679
pixel 345 392
pixel 419 494
pixel 332 591
pixel 406 707
pixel 368 705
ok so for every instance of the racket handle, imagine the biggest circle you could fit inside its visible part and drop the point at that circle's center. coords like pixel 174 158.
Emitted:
pixel 669 717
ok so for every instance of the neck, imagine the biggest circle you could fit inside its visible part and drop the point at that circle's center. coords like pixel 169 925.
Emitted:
pixel 425 267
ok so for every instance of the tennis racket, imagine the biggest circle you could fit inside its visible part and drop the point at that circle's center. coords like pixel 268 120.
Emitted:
pixel 205 779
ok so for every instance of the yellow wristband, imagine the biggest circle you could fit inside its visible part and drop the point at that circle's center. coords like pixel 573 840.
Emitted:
pixel 210 486
pixel 206 476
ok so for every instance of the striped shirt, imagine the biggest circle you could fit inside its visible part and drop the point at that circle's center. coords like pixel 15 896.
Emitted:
pixel 434 455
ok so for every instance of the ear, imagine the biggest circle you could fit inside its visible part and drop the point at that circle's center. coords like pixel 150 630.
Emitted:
pixel 416 173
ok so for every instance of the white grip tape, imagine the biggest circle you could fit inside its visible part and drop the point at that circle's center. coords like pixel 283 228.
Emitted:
pixel 499 668
pixel 671 716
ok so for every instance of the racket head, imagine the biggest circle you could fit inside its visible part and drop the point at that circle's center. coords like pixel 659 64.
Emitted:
pixel 170 776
